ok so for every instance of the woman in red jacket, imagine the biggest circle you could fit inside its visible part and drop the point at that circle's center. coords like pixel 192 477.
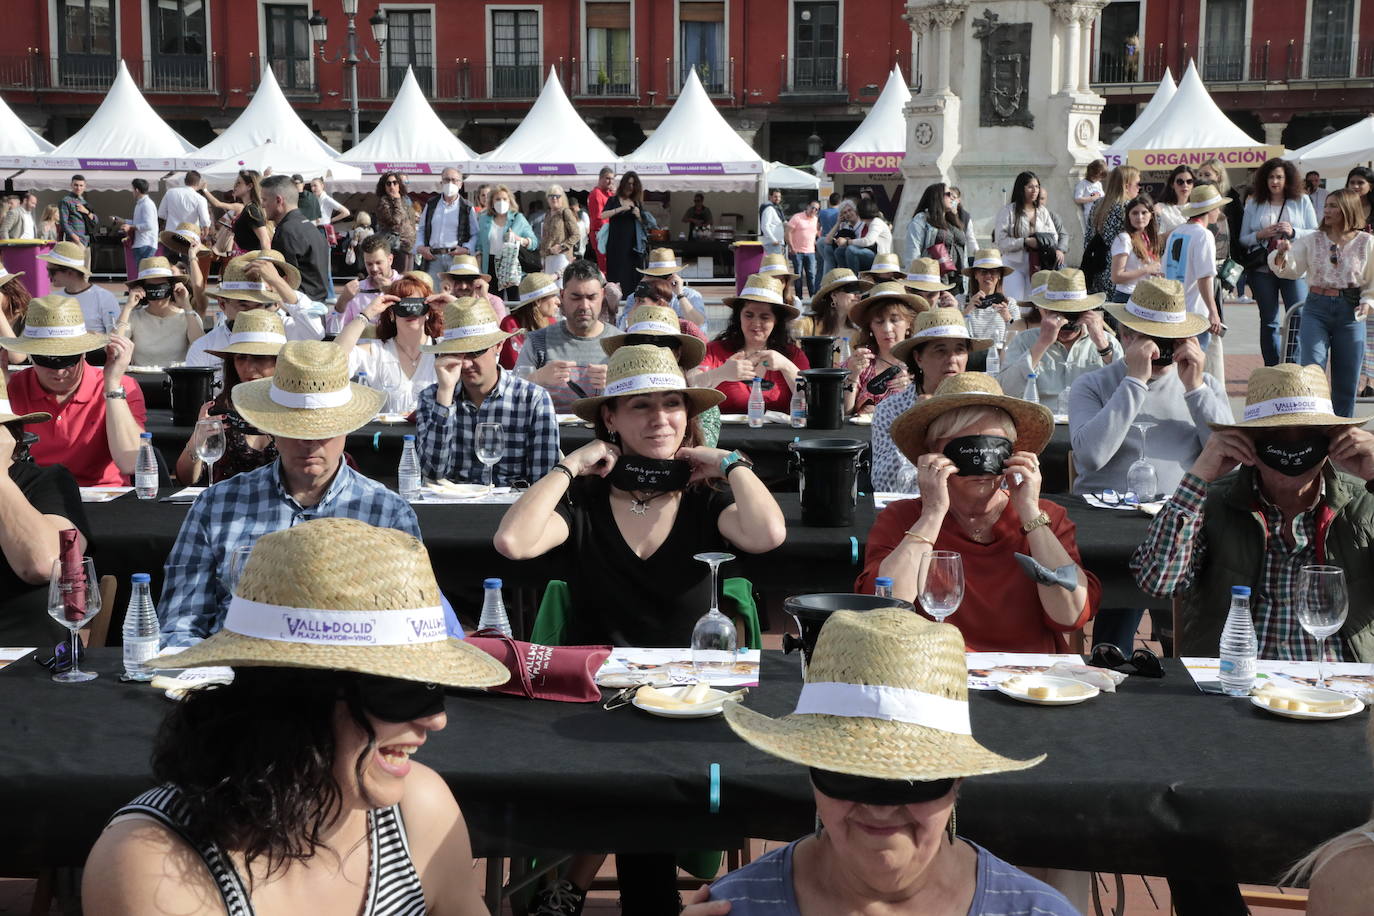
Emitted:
pixel 755 344
pixel 534 308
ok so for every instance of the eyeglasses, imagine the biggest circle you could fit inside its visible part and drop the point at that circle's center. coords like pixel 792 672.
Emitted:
pixel 1142 661
pixel 55 362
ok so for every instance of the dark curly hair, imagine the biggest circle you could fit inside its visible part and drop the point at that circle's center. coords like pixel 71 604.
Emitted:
pixel 382 179
pixel 733 335
pixel 17 297
pixel 254 761
pixel 1292 181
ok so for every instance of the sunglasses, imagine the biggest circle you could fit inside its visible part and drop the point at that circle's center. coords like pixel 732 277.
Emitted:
pixel 1335 255
pixel 61 659
pixel 394 700
pixel 1182 180
pixel 880 792
pixel 1142 661
pixel 55 362
pixel 392 181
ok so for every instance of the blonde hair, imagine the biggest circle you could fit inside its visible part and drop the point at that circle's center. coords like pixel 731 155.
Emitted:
pixel 947 424
pixel 363 219
pixel 1351 211
pixel 491 195
pixel 1115 194
pixel 555 190
pixel 1223 181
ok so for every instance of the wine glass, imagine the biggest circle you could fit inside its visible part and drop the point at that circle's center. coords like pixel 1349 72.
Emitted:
pixel 64 605
pixel 491 447
pixel 1322 605
pixel 237 558
pixel 942 583
pixel 714 638
pixel 1140 476
pixel 209 444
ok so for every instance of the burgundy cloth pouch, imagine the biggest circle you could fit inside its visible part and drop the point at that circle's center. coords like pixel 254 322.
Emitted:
pixel 563 673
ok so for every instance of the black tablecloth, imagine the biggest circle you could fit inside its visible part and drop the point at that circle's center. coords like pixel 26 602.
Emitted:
pixel 1156 779
pixel 157 393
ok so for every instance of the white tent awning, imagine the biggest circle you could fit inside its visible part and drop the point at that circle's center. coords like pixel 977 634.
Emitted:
pixel 1345 149
pixel 1164 93
pixel 883 131
pixel 269 117
pixel 282 160
pixel 18 140
pixel 788 178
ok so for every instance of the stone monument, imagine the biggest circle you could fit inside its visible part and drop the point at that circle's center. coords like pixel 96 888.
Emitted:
pixel 1003 87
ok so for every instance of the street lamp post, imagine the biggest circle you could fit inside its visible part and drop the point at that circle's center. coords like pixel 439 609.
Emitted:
pixel 319 33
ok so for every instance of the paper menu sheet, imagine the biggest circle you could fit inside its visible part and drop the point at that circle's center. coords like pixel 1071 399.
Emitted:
pixel 103 494
pixel 987 669
pixel 674 666
pixel 1354 679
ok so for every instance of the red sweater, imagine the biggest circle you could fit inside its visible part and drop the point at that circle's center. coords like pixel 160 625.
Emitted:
pixel 737 393
pixel 1001 610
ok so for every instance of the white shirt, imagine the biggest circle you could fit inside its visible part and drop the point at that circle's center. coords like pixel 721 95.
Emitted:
pixel 1122 245
pixel 1191 261
pixel 183 205
pixel 1083 189
pixel 299 323
pixel 26 225
pixel 144 223
pixel 379 359
pixel 443 225
pixel 99 308
pixel 328 207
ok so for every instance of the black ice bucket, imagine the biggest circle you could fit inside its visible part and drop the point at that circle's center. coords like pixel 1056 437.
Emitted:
pixel 824 397
pixel 192 386
pixel 820 351
pixel 812 611
pixel 829 480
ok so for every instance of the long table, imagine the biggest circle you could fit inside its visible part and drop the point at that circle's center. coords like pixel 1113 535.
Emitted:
pixel 1155 779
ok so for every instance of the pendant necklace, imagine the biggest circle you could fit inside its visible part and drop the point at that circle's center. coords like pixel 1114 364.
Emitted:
pixel 639 505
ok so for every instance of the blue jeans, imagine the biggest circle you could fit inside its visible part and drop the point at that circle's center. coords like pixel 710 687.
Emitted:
pixel 826 251
pixel 147 251
pixel 1329 328
pixel 330 292
pixel 804 266
pixel 1266 288
pixel 856 259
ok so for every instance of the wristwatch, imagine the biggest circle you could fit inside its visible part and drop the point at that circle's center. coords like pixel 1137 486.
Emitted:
pixel 1039 521
pixel 734 460
pixel 118 394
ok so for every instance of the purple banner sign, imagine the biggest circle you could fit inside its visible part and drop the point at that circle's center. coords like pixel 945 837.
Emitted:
pixel 421 168
pixel 696 168
pixel 839 163
pixel 547 168
pixel 123 164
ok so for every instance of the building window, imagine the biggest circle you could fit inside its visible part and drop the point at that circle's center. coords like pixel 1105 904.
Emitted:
pixel 288 44
pixel 1223 55
pixel 86 44
pixel 702 44
pixel 816 46
pixel 1119 44
pixel 514 53
pixel 609 60
pixel 409 43
pixel 1328 54
pixel 177 32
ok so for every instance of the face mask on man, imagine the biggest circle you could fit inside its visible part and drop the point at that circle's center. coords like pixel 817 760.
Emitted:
pixel 451 188
pixel 1294 458
pixel 501 206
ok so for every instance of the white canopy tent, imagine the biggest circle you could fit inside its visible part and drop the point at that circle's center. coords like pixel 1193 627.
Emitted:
pixel 551 145
pixel 695 149
pixel 1346 148
pixel 882 131
pixel 1191 130
pixel 1164 94
pixel 123 140
pixel 282 161
pixel 410 139
pixel 269 118
pixel 790 179
pixel 18 141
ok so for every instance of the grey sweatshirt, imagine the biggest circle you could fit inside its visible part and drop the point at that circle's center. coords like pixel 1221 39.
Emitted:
pixel 1105 403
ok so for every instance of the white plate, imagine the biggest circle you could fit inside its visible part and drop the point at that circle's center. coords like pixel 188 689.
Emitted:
pixel 389 418
pixel 864 420
pixel 457 490
pixel 568 419
pixel 1309 695
pixel 734 418
pixel 714 703
pixel 1020 687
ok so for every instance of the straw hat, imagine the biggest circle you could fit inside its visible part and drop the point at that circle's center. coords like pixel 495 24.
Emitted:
pixel 659 321
pixel 886 697
pixel 642 369
pixel 938 324
pixel 535 286
pixel 987 259
pixel 663 262
pixel 465 266
pixel 257 332
pixel 1157 308
pixel 7 414
pixel 289 271
pixel 6 276
pixel 884 263
pixel 765 289
pixel 924 274
pixel 54 326
pixel 309 396
pixel 1204 197
pixel 154 268
pixel 1065 291
pixel 777 266
pixel 840 276
pixel 1288 395
pixel 71 255
pixel 305 601
pixel 180 238
pixel 470 325
pixel 1034 422
pixel 882 294
pixel 234 283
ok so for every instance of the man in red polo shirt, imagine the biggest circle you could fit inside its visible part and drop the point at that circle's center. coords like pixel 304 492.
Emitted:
pixel 97 413
pixel 596 202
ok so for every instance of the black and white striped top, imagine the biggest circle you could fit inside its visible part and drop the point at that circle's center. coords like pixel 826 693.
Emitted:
pixel 393 884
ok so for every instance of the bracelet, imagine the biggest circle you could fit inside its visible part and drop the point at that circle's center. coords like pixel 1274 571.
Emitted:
pixel 1105 351
pixel 918 538
pixel 562 467
pixel 1039 521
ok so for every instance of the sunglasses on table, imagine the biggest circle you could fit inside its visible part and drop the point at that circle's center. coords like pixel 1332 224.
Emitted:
pixel 55 362
pixel 1142 661
pixel 61 658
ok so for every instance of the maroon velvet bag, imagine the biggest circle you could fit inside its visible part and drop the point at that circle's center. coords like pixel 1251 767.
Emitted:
pixel 563 673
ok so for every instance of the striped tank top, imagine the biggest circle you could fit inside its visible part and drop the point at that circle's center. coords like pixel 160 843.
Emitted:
pixel 393 884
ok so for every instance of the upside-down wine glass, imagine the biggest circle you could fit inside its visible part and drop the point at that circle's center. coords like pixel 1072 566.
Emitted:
pixel 942 583
pixel 1322 606
pixel 1141 478
pixel 714 638
pixel 63 607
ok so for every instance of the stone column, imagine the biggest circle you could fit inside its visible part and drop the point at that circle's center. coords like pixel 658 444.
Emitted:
pixel 944 19
pixel 1273 132
pixel 1085 59
pixel 922 75
pixel 1071 48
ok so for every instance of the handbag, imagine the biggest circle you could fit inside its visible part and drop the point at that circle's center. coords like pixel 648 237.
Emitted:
pixel 566 674
pixel 1229 274
pixel 530 261
pixel 940 252
pixel 507 266
pixel 1046 254
pixel 1095 257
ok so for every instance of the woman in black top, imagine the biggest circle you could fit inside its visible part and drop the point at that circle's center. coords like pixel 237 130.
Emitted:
pixel 626 232
pixel 245 209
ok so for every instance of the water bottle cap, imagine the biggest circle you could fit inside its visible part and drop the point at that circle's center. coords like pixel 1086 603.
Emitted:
pixel 145 435
pixel 409 438
pixel 491 583
pixel 1240 590
pixel 882 580
pixel 140 578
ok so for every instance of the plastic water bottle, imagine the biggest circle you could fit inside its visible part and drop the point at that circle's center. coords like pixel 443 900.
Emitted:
pixel 145 468
pixel 994 365
pixel 756 403
pixel 1064 396
pixel 493 608
pixel 1239 647
pixel 882 587
pixel 798 409
pixel 362 377
pixel 408 474
pixel 1032 392
pixel 140 631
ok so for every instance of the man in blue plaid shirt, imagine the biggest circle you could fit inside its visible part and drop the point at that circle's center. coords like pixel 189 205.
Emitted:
pixel 309 406
pixel 473 389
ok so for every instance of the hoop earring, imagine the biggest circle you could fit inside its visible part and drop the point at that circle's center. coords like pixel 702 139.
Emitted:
pixel 950 827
